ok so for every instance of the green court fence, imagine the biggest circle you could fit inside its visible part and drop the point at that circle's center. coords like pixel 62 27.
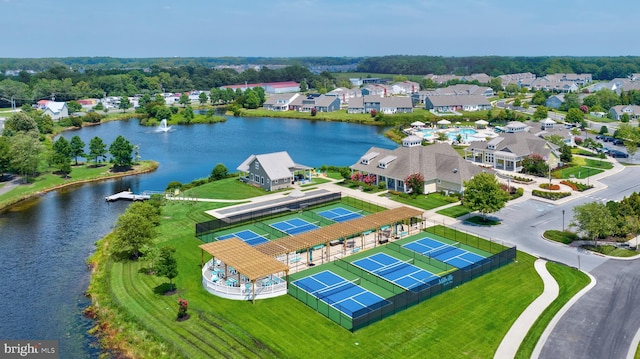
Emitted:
pixel 203 229
pixel 402 299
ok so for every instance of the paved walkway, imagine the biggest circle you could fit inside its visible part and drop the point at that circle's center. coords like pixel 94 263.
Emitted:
pixel 516 334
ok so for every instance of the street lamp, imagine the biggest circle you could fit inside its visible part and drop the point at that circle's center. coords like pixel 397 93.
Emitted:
pixel 563 220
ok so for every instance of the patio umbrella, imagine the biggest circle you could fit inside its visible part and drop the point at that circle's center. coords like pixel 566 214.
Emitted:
pixel 482 122
pixel 417 124
pixel 444 122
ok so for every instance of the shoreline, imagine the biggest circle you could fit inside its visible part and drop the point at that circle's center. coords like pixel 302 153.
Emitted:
pixel 153 166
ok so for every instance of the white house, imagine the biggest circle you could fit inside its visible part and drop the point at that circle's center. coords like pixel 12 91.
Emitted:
pixel 56 110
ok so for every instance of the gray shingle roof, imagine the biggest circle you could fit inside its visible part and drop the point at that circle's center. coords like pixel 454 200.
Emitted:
pixel 437 161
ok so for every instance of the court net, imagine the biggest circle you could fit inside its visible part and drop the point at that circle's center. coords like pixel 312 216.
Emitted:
pixel 336 288
pixel 444 249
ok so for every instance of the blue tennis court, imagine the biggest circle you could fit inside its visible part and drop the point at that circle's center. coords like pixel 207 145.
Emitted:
pixel 249 237
pixel 340 214
pixel 340 293
pixel 294 226
pixel 447 253
pixel 404 274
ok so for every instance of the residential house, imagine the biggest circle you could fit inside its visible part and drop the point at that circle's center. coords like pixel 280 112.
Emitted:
pixel 441 79
pixel 271 171
pixel 387 105
pixel 507 151
pixel 457 103
pixel 405 88
pixel 464 89
pixel 322 103
pixel 376 89
pixel 363 81
pixel 441 166
pixel 523 79
pixel 345 94
pixel 633 111
pixel 480 77
pixel 279 102
pixel 56 110
pixel 42 104
pixel 554 101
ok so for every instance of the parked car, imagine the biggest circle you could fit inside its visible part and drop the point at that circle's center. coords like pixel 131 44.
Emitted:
pixel 607 138
pixel 618 154
pixel 600 137
pixel 618 142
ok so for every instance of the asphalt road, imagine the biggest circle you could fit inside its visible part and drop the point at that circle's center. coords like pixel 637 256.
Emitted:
pixel 603 322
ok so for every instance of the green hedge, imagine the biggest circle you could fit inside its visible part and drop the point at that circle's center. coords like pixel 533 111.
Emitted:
pixel 550 195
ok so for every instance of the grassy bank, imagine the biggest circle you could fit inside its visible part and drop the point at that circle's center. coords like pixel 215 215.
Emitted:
pixel 571 281
pixel 79 174
pixel 141 321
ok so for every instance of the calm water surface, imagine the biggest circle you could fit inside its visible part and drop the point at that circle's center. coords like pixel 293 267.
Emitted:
pixel 44 243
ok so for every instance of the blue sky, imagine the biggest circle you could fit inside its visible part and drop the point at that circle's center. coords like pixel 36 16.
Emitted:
pixel 272 28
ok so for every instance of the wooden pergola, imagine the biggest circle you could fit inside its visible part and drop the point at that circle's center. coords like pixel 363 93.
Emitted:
pixel 337 231
pixel 246 260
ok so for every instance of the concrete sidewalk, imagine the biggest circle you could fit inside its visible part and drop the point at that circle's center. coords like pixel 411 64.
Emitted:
pixel 516 334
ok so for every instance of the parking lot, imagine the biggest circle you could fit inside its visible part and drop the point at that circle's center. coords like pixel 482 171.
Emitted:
pixel 615 148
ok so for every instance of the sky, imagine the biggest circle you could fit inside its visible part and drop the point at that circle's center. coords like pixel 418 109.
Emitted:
pixel 352 28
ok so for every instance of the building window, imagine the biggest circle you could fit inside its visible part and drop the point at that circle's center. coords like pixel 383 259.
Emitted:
pixel 251 177
pixel 257 165
pixel 261 180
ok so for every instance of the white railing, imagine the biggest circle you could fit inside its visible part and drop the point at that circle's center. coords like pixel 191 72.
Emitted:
pixel 244 291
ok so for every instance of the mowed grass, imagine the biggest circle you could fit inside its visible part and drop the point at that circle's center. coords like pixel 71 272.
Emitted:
pixel 228 188
pixel 455 211
pixel 580 172
pixel 80 173
pixel 467 321
pixel 427 202
pixel 571 281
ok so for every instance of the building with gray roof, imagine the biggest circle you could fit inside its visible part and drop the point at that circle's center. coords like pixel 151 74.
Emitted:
pixel 441 166
pixel 507 151
pixel 271 171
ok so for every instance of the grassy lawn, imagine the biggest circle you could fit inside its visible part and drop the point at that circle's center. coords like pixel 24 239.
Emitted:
pixel 335 175
pixel 228 188
pixel 583 152
pixel 580 172
pixel 79 174
pixel 590 162
pixel 560 236
pixel 427 202
pixel 611 251
pixel 455 211
pixel 143 321
pixel 571 281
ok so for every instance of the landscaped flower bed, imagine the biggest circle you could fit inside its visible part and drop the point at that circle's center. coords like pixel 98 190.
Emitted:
pixel 576 186
pixel 549 186
pixel 550 195
pixel 521 179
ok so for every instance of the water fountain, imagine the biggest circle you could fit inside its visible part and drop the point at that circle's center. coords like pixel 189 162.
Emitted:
pixel 163 126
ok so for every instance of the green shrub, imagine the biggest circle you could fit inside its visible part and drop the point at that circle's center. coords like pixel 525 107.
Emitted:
pixel 550 195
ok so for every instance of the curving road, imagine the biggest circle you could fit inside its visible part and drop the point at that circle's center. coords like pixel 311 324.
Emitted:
pixel 603 322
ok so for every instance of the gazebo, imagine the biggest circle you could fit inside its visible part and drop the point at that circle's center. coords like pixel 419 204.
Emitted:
pixel 240 260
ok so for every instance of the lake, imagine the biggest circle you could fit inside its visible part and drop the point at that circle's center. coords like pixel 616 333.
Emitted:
pixel 44 243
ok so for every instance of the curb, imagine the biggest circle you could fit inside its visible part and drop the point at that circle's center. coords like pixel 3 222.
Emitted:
pixel 556 318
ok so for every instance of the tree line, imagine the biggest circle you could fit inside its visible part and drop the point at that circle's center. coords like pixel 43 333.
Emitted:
pixel 24 150
pixel 602 68
pixel 64 84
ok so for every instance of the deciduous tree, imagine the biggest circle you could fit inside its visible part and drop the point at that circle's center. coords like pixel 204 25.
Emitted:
pixel 415 182
pixel 203 98
pixel 133 232
pixel 167 265
pixel 594 219
pixel 25 152
pixel 125 104
pixel 483 193
pixel 219 172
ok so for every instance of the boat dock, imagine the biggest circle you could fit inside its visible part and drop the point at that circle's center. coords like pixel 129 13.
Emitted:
pixel 128 195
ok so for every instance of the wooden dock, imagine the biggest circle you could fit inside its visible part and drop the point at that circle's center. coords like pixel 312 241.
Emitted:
pixel 127 195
